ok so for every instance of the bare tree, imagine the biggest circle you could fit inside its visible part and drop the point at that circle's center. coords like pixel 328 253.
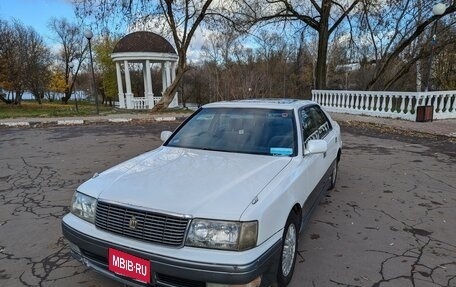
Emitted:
pixel 15 55
pixel 23 58
pixel 393 28
pixel 392 20
pixel 72 48
pixel 220 51
pixel 324 18
pixel 37 67
pixel 6 35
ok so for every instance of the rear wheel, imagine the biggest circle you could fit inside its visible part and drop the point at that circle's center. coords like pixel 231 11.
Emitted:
pixel 334 175
pixel 289 251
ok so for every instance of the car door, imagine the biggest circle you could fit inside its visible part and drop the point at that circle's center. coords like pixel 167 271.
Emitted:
pixel 314 168
pixel 311 165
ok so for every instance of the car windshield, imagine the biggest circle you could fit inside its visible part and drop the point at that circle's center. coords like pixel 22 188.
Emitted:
pixel 241 130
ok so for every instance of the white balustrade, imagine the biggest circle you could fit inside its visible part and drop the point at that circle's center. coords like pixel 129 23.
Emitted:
pixel 156 100
pixel 401 105
pixel 142 103
pixel 139 103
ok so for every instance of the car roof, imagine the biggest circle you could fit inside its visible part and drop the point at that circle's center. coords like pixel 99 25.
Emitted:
pixel 287 104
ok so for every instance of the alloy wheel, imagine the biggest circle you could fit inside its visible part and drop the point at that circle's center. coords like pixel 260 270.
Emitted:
pixel 289 250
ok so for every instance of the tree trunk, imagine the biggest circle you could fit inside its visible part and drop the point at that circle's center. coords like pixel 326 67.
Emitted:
pixel 67 96
pixel 323 35
pixel 169 93
pixel 18 97
pixel 39 98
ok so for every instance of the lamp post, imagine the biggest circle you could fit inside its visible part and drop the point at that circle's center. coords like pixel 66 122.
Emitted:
pixel 437 10
pixel 88 34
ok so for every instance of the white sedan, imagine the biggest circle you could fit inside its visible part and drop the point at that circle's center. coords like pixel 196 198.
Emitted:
pixel 220 203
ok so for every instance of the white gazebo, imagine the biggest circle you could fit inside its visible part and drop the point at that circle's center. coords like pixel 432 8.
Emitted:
pixel 144 48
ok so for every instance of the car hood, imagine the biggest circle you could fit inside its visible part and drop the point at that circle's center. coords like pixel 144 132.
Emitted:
pixel 190 182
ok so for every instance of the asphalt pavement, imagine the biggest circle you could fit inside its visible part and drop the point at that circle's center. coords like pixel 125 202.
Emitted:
pixel 389 222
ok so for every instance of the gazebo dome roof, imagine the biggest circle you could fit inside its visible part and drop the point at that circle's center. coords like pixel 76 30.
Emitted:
pixel 143 41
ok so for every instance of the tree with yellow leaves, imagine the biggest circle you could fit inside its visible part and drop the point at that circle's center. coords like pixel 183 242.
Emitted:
pixel 57 84
pixel 107 67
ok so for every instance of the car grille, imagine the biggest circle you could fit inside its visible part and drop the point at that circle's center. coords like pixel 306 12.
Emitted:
pixel 150 226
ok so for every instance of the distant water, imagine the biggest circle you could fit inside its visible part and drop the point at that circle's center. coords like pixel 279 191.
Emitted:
pixel 29 96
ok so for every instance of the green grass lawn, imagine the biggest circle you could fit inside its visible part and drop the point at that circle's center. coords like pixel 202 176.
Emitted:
pixel 54 109
pixel 31 109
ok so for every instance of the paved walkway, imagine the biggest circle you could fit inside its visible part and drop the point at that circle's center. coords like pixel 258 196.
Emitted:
pixel 438 127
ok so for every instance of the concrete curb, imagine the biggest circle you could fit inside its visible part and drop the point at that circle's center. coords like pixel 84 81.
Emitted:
pixel 165 119
pixel 88 120
pixel 15 124
pixel 70 122
pixel 119 120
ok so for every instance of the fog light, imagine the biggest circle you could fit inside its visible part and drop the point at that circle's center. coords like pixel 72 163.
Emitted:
pixel 255 283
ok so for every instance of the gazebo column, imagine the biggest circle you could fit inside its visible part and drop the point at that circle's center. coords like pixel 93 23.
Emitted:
pixel 163 68
pixel 148 84
pixel 129 94
pixel 173 71
pixel 168 74
pixel 175 101
pixel 144 78
pixel 120 87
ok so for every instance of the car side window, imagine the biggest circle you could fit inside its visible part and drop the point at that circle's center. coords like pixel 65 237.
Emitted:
pixel 323 124
pixel 314 123
pixel 308 125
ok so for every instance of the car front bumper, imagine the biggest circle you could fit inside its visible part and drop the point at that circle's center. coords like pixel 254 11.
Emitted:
pixel 168 271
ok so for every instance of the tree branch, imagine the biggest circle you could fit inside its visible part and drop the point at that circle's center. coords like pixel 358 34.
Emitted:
pixel 419 29
pixel 345 14
pixel 318 8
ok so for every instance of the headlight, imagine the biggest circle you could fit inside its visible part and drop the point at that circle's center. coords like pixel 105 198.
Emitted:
pixel 83 206
pixel 229 235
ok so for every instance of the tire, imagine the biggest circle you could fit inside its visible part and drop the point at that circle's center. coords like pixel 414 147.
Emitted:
pixel 289 250
pixel 333 179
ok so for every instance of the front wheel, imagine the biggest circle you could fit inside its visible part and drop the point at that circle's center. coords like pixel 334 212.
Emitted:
pixel 289 251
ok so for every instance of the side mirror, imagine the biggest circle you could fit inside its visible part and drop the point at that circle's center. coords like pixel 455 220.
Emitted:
pixel 316 146
pixel 164 136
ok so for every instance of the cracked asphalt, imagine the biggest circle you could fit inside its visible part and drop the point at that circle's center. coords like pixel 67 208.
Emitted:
pixel 390 221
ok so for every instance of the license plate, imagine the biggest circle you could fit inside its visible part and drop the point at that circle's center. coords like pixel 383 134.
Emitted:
pixel 128 265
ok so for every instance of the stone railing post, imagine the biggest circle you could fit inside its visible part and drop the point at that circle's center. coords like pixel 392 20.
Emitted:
pixel 409 105
pixel 390 103
pixel 352 101
pixel 452 106
pixel 442 101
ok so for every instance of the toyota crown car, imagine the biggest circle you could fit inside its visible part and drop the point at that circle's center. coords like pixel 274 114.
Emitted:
pixel 220 203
